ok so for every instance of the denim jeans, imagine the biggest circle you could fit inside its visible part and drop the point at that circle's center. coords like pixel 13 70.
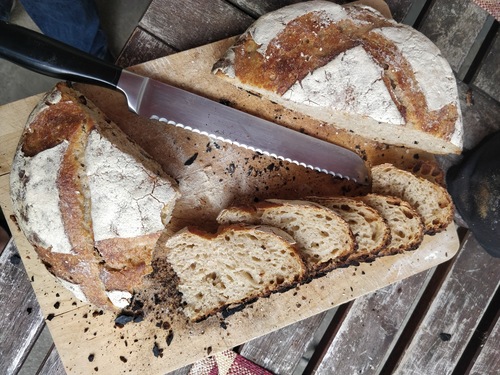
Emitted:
pixel 74 22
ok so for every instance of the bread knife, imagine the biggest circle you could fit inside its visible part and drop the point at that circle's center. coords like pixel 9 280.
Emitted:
pixel 159 101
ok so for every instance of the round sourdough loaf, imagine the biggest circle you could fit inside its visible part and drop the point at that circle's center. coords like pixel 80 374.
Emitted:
pixel 88 199
pixel 354 69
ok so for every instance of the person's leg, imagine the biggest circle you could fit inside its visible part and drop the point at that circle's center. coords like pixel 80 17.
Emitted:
pixel 74 22
pixel 5 9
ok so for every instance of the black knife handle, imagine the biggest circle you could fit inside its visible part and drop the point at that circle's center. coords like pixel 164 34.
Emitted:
pixel 50 57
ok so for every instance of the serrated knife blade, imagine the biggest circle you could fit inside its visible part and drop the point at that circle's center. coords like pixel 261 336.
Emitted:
pixel 157 100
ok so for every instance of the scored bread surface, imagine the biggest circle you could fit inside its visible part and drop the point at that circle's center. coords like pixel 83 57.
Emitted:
pixel 406 226
pixel 430 200
pixel 88 199
pixel 324 238
pixel 370 230
pixel 352 68
pixel 232 267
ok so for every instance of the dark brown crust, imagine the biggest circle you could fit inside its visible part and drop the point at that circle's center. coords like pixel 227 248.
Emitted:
pixel 307 43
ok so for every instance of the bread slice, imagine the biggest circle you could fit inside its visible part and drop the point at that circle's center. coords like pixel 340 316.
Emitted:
pixel 232 267
pixel 324 238
pixel 430 200
pixel 406 226
pixel 370 230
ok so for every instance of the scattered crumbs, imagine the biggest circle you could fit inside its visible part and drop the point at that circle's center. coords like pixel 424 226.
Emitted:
pixel 91 357
pixel 123 319
pixel 157 351
pixel 29 310
pixel 50 316
pixel 170 337
pixel 123 359
pixel 191 159
pixel 445 336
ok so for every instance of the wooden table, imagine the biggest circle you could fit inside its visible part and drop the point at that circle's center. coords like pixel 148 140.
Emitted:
pixel 441 321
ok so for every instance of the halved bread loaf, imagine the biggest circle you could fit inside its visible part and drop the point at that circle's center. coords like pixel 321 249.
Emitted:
pixel 370 230
pixel 324 238
pixel 232 267
pixel 407 229
pixel 430 200
pixel 89 199
pixel 351 68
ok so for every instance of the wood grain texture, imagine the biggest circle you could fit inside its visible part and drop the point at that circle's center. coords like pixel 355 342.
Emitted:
pixel 258 8
pixel 454 313
pixel 453 26
pixel 372 326
pixel 281 351
pixel 488 76
pixel 194 22
pixel 488 361
pixel 142 47
pixel 52 364
pixel 18 305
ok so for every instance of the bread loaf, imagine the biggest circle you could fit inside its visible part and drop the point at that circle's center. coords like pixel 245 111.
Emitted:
pixel 232 267
pixel 406 226
pixel 351 68
pixel 88 199
pixel 370 230
pixel 431 201
pixel 323 238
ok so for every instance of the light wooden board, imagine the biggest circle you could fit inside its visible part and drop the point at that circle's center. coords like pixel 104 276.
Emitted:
pixel 88 341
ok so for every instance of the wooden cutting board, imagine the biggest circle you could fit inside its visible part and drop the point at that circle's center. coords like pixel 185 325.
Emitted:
pixel 211 176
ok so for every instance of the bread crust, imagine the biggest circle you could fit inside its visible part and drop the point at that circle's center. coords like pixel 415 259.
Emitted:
pixel 285 56
pixel 370 230
pixel 55 194
pixel 313 242
pixel 430 200
pixel 191 245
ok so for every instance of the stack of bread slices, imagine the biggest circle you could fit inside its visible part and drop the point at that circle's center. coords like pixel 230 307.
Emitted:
pixel 277 244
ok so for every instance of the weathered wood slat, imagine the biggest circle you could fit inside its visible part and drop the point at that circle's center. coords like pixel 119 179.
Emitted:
pixel 22 319
pixel 52 364
pixel 281 351
pixel 453 26
pixel 371 328
pixel 488 361
pixel 257 8
pixel 194 23
pixel 142 47
pixel 454 313
pixel 488 75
